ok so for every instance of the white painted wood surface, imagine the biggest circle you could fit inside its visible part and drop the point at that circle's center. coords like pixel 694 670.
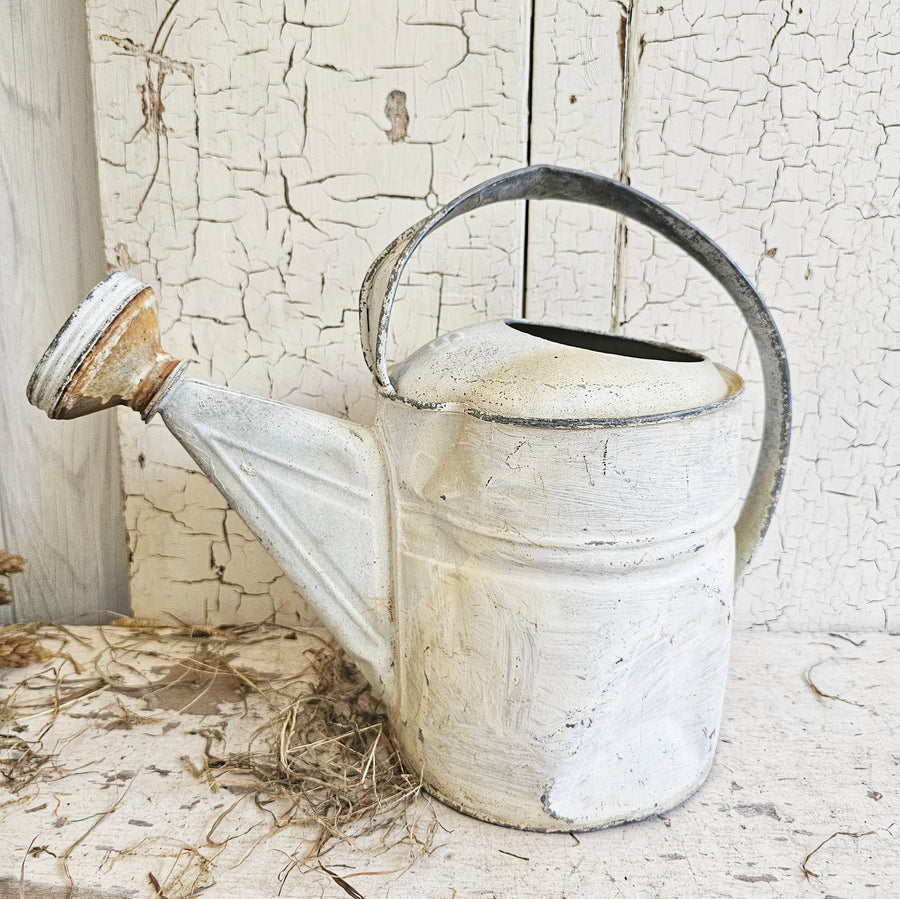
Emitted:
pixel 576 120
pixel 254 196
pixel 796 773
pixel 774 128
pixel 250 172
pixel 60 489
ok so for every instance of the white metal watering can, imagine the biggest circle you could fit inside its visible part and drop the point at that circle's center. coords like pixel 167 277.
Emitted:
pixel 532 553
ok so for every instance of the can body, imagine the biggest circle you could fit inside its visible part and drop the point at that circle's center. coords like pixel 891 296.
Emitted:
pixel 562 606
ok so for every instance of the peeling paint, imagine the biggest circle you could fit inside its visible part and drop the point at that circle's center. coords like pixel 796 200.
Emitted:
pixel 770 128
pixel 253 193
pixel 396 113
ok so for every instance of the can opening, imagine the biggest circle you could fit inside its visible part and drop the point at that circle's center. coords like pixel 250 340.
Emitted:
pixel 605 343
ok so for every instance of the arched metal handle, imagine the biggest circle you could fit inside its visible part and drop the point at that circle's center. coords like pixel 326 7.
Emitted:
pixel 544 182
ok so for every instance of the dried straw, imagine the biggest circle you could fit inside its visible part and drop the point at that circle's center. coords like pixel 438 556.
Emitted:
pixel 18 649
pixel 327 755
pixel 322 759
pixel 10 563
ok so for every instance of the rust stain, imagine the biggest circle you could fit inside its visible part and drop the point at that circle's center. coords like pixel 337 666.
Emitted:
pixel 622 40
pixel 123 256
pixel 133 48
pixel 152 104
pixel 125 366
pixel 151 89
pixel 396 113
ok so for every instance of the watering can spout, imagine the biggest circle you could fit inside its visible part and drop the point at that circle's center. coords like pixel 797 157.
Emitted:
pixel 313 488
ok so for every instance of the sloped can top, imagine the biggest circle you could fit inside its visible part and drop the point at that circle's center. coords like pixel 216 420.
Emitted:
pixel 522 370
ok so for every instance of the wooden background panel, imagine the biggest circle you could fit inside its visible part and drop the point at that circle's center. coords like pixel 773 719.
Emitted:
pixel 701 100
pixel 775 130
pixel 60 491
pixel 579 85
pixel 248 170
pixel 254 160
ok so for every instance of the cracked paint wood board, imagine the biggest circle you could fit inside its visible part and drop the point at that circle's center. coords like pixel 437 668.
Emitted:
pixel 60 499
pixel 251 168
pixel 578 106
pixel 738 118
pixel 773 128
pixel 805 775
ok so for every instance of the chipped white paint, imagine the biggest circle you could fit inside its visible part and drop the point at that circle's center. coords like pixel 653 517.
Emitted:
pixel 252 164
pixel 576 120
pixel 515 369
pixel 773 126
pixel 278 178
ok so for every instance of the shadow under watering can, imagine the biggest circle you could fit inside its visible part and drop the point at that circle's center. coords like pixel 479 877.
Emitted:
pixel 532 553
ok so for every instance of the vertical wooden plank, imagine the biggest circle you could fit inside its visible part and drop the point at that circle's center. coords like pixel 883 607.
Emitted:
pixel 254 159
pixel 773 127
pixel 60 489
pixel 578 99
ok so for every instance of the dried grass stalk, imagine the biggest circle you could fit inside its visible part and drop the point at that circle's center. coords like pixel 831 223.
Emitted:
pixel 22 758
pixel 10 563
pixel 323 757
pixel 329 756
pixel 18 649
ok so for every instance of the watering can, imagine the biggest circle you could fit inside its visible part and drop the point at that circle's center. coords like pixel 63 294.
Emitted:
pixel 532 553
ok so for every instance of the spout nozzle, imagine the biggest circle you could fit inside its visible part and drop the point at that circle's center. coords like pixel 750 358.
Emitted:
pixel 107 354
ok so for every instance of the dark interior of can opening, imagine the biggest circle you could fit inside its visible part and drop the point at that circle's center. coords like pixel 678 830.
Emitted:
pixel 605 343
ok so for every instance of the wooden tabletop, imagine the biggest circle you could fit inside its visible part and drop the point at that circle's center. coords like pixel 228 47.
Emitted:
pixel 107 787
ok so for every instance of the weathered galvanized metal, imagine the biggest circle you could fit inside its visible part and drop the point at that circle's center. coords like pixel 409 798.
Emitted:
pixel 107 354
pixel 531 555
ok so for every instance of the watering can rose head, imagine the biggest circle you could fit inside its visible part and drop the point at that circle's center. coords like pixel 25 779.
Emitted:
pixel 532 553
